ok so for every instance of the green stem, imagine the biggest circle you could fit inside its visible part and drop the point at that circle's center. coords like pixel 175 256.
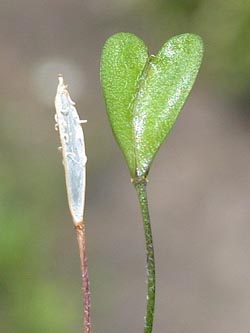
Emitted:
pixel 140 186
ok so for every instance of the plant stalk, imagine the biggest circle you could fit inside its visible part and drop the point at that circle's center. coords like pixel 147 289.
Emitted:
pixel 80 233
pixel 140 186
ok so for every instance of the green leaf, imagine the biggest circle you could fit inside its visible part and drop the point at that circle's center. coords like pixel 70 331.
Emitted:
pixel 144 94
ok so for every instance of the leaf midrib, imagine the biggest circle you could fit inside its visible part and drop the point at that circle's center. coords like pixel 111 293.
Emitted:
pixel 140 83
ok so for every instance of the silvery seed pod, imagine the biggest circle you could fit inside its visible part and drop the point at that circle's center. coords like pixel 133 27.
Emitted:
pixel 73 150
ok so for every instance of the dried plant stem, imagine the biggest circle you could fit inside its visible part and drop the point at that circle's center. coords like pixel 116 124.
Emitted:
pixel 80 233
pixel 140 186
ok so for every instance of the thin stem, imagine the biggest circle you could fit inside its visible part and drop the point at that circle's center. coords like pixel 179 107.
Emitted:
pixel 80 233
pixel 140 186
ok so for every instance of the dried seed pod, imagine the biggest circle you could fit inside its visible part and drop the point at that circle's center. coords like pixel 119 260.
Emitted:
pixel 73 150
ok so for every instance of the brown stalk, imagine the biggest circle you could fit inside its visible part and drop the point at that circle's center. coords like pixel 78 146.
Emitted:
pixel 80 233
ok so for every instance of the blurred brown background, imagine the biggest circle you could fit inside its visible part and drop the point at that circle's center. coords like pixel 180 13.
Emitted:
pixel 199 187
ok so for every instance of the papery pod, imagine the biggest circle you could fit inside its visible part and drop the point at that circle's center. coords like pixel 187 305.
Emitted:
pixel 73 150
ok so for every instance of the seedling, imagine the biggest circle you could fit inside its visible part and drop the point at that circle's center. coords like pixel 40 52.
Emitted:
pixel 144 96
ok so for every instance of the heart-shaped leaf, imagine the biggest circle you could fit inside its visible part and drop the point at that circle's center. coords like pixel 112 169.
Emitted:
pixel 144 94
